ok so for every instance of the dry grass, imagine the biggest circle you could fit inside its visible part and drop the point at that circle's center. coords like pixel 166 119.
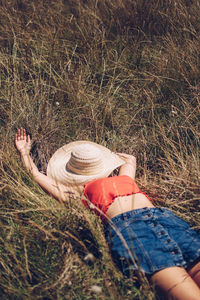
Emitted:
pixel 121 73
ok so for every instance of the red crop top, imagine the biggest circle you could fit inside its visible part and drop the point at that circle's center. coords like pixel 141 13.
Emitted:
pixel 101 193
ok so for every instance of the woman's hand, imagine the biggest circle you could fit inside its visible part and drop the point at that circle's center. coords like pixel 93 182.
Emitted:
pixel 58 191
pixel 23 142
pixel 129 168
pixel 129 159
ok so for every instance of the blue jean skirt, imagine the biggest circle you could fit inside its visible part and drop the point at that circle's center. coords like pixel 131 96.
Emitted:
pixel 151 239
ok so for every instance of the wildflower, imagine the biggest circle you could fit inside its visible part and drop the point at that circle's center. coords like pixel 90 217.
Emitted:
pixel 89 258
pixel 96 289
pixel 174 112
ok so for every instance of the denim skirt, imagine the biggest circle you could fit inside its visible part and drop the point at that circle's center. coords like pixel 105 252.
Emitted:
pixel 151 239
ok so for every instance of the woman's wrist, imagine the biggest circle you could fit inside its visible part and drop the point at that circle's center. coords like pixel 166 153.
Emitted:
pixel 130 162
pixel 24 153
pixel 35 172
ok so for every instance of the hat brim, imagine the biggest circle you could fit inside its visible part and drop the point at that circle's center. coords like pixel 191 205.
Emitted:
pixel 57 170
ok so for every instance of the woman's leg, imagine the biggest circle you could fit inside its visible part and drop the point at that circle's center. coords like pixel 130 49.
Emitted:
pixel 194 272
pixel 176 283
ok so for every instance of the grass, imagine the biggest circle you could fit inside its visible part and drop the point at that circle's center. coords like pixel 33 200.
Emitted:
pixel 121 73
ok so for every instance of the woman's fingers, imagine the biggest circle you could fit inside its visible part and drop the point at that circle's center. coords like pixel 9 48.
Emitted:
pixel 21 135
pixel 17 136
pixel 129 159
pixel 18 133
pixel 125 155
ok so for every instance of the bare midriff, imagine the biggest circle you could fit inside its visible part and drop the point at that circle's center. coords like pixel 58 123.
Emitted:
pixel 128 203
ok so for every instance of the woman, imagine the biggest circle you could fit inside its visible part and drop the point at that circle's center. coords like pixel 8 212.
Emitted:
pixel 141 236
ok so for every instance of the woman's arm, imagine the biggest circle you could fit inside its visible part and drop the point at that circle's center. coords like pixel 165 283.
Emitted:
pixel 129 168
pixel 59 191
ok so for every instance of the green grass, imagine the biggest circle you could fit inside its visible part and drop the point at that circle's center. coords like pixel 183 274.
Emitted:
pixel 121 73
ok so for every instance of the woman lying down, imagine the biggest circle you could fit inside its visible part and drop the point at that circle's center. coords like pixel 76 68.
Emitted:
pixel 141 237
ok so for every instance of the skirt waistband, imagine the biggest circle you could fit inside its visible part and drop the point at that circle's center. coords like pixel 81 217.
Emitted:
pixel 145 212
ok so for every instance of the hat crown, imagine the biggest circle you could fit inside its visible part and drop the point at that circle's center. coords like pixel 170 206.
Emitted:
pixel 85 159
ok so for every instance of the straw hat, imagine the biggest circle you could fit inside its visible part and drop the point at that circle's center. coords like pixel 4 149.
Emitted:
pixel 82 161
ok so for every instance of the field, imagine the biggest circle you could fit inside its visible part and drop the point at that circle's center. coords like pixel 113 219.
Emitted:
pixel 125 74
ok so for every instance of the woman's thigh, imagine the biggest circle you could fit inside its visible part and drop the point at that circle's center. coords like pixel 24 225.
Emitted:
pixel 176 283
pixel 194 272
